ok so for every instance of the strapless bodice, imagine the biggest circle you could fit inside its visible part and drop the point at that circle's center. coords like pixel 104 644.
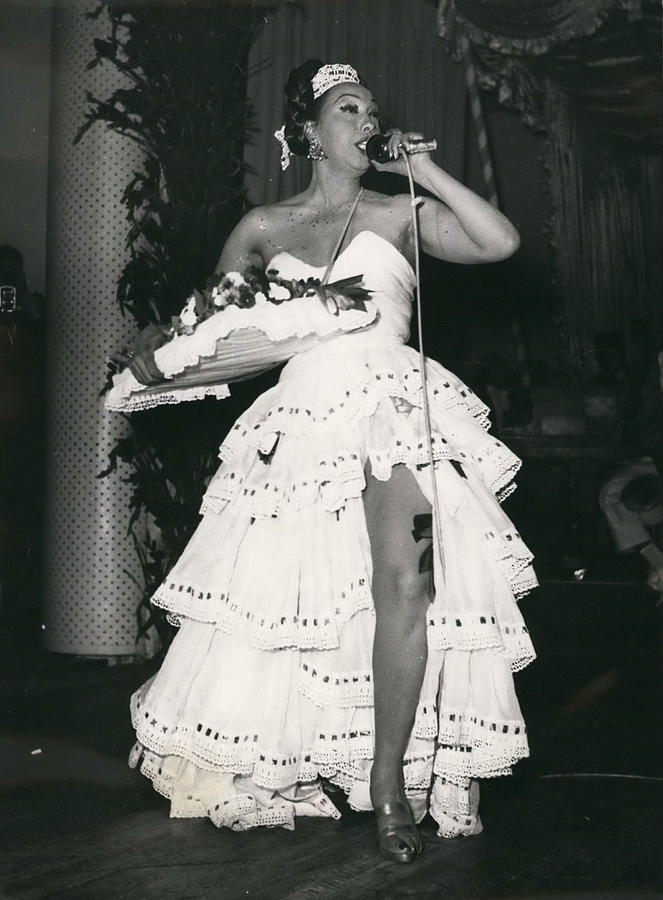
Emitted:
pixel 386 273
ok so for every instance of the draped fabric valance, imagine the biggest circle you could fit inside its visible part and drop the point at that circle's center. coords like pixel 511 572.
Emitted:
pixel 526 26
pixel 615 76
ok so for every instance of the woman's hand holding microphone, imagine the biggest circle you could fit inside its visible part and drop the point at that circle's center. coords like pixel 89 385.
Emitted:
pixel 387 151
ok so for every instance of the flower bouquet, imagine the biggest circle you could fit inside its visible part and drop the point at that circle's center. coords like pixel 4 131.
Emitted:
pixel 238 326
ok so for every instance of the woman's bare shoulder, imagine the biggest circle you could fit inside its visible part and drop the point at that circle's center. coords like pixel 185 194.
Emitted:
pixel 255 225
pixel 257 236
pixel 271 215
pixel 393 207
pixel 245 245
pixel 391 217
pixel 254 218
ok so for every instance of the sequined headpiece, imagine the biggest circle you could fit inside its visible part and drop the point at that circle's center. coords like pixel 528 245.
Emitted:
pixel 325 78
pixel 328 76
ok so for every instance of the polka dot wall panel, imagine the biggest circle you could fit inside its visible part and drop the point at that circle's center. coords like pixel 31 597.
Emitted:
pixel 90 596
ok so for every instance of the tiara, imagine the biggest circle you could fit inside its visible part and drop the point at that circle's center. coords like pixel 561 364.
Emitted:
pixel 333 73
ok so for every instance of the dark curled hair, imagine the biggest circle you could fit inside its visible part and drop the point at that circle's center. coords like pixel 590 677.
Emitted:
pixel 300 107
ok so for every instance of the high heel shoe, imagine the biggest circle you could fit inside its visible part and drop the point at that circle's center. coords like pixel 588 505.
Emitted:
pixel 398 837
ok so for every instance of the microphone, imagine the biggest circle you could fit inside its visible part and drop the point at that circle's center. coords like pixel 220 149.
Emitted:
pixel 376 148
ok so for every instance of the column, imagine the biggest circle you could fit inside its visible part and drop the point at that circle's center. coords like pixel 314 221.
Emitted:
pixel 90 593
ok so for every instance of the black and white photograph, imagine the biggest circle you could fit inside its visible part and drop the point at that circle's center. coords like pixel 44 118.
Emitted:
pixel 331 426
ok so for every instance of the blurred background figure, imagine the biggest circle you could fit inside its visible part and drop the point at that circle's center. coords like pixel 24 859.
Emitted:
pixel 21 446
pixel 632 498
pixel 498 384
pixel 16 300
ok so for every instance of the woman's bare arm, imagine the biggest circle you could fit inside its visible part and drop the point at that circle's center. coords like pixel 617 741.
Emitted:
pixel 458 226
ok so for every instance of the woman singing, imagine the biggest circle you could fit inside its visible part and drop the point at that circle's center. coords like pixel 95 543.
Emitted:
pixel 315 645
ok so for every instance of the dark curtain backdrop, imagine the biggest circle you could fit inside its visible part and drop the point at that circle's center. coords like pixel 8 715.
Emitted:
pixel 606 227
pixel 393 44
pixel 589 75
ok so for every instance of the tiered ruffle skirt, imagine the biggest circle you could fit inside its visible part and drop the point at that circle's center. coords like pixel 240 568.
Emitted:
pixel 267 687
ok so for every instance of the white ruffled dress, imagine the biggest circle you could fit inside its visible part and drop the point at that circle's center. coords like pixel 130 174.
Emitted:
pixel 267 687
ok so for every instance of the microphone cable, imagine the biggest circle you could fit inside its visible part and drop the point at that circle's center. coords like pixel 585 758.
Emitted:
pixel 414 203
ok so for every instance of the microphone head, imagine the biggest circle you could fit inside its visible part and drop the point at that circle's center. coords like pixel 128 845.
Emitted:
pixel 376 148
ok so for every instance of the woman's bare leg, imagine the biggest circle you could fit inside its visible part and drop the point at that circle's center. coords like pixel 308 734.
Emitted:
pixel 401 595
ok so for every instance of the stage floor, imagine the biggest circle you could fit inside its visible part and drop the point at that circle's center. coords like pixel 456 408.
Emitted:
pixel 582 818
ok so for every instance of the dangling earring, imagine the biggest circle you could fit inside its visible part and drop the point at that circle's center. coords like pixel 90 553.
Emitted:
pixel 315 151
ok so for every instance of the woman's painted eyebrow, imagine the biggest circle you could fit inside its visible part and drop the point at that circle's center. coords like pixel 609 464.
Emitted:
pixel 355 97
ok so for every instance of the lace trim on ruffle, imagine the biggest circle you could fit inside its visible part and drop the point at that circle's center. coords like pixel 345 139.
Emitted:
pixel 340 757
pixel 481 631
pixel 230 616
pixel 461 729
pixel 275 815
pixel 383 461
pixel 524 583
pixel 337 689
pixel 359 401
pixel 473 763
pixel 418 772
pixel 211 750
pixel 506 491
pixel 353 689
pixel 475 746
pixel 509 549
pixel 180 395
pixel 469 745
pixel 417 776
pixel 454 805
pixel 462 631
pixel 239 812
pixel 425 721
pixel 335 480
pixel 514 559
pixel 498 465
pixel 242 754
